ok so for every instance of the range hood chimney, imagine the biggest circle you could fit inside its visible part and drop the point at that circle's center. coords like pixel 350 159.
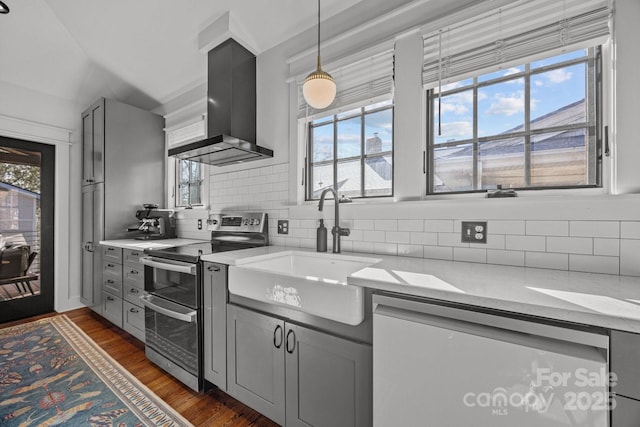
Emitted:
pixel 231 110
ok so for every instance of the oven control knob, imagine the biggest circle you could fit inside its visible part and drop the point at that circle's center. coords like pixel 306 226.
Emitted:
pixel 245 221
pixel 257 221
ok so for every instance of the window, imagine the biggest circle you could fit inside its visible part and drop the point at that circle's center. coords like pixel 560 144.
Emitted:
pixel 530 126
pixel 352 152
pixel 188 183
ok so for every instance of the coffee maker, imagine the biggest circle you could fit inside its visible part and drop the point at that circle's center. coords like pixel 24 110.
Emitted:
pixel 154 223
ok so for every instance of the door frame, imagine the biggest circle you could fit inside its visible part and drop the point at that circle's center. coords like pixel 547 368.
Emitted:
pixel 44 302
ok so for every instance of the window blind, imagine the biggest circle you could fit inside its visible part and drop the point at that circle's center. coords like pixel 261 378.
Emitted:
pixel 366 78
pixel 185 133
pixel 504 37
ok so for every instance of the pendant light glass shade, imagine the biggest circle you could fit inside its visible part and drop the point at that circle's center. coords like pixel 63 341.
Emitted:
pixel 3 7
pixel 319 89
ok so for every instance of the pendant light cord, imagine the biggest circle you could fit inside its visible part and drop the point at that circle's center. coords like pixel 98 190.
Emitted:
pixel 318 34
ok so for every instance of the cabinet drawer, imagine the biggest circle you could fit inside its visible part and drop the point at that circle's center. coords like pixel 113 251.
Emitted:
pixel 111 285
pixel 133 276
pixel 112 308
pixel 112 270
pixel 112 254
pixel 132 258
pixel 625 355
pixel 133 294
pixel 133 319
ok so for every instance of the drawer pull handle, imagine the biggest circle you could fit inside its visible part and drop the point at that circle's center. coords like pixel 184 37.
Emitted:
pixel 212 268
pixel 134 272
pixel 110 265
pixel 110 299
pixel 133 310
pixel 134 291
pixel 135 253
pixel 111 282
pixel 110 249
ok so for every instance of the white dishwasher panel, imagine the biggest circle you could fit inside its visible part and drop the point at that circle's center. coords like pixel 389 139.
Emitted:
pixel 438 371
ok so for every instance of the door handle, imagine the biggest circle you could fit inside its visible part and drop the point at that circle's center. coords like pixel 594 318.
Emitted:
pixel 289 333
pixel 275 333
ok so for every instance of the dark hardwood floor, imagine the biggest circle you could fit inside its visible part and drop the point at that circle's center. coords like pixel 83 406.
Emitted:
pixel 213 408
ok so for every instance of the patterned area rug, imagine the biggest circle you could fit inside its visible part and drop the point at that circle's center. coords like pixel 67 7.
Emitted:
pixel 51 373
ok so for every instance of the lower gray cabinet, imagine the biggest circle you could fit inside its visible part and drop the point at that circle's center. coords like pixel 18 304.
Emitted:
pixel 215 324
pixel 295 375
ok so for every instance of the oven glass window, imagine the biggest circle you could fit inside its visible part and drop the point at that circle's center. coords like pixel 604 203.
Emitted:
pixel 172 285
pixel 176 340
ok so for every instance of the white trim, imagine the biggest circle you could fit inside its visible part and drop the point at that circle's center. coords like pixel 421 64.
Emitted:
pixel 33 131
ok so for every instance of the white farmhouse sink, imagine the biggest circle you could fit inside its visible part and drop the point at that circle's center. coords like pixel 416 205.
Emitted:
pixel 311 282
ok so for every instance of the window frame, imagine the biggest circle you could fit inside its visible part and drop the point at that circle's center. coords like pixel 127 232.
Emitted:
pixel 593 62
pixel 178 183
pixel 339 116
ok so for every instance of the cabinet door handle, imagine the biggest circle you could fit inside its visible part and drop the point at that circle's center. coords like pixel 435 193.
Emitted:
pixel 294 342
pixel 133 310
pixel 134 272
pixel 110 265
pixel 111 282
pixel 110 299
pixel 275 333
pixel 212 268
pixel 134 254
pixel 134 291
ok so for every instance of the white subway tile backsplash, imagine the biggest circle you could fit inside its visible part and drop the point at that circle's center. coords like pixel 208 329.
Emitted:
pixel 606 247
pixel 363 224
pixel 414 251
pixel 397 237
pixel 594 264
pixel 506 227
pixel 630 229
pixel 438 252
pixel 385 248
pixel 525 243
pixel 630 257
pixel 386 224
pixel 355 235
pixel 570 245
pixel 515 258
pixel 439 225
pixel 451 239
pixel 373 236
pixel 595 229
pixel 494 241
pixel 547 260
pixel 430 239
pixel 547 228
pixel 364 247
pixel 470 255
pixel 410 225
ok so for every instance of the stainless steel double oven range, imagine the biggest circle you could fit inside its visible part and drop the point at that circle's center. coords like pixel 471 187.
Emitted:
pixel 173 282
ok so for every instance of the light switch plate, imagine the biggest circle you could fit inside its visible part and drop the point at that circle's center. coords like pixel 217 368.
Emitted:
pixel 283 226
pixel 474 232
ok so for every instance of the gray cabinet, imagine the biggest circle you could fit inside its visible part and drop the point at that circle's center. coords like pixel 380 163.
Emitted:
pixel 625 354
pixel 123 167
pixel 132 290
pixel 215 324
pixel 112 284
pixel 295 375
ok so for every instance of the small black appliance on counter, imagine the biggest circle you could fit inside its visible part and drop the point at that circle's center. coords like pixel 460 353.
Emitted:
pixel 154 223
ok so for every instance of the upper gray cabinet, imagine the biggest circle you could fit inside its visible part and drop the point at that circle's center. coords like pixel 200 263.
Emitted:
pixel 93 143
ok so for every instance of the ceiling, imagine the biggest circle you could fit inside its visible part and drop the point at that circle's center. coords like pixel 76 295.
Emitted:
pixel 144 52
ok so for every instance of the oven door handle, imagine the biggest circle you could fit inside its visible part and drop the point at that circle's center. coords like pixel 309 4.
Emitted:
pixel 156 304
pixel 180 267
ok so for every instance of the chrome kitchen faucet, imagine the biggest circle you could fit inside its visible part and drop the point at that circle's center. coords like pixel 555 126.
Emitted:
pixel 336 231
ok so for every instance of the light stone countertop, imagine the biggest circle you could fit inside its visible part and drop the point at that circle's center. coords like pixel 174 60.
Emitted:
pixel 604 300
pixel 148 244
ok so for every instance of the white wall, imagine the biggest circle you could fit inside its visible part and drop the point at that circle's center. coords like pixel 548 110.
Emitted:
pixel 577 230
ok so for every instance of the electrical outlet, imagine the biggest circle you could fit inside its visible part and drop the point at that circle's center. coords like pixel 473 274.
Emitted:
pixel 474 232
pixel 283 226
pixel 199 224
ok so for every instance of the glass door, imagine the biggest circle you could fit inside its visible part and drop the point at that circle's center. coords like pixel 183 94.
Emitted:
pixel 26 228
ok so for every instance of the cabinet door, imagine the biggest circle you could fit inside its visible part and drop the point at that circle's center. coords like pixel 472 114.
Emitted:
pixel 215 324
pixel 328 380
pixel 255 347
pixel 133 319
pixel 92 220
pixel 93 144
pixel 112 308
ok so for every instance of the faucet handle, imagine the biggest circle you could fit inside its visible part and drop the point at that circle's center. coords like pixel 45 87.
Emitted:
pixel 344 231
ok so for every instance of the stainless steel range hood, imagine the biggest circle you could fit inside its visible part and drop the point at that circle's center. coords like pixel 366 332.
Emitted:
pixel 231 110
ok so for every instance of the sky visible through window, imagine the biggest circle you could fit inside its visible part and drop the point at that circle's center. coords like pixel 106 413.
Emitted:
pixel 501 106
pixel 349 132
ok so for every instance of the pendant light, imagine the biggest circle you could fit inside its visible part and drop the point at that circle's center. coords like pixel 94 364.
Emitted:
pixel 3 7
pixel 319 89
